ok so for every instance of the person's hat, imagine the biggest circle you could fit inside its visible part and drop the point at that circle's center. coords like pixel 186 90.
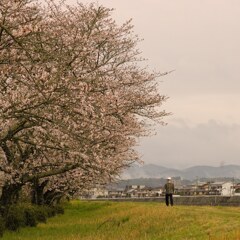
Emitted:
pixel 169 178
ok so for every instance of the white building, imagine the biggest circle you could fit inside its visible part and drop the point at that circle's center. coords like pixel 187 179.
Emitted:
pixel 236 188
pixel 222 188
pixel 98 191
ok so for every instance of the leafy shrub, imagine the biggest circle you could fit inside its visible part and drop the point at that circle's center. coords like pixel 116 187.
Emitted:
pixel 15 218
pixel 2 226
pixel 41 214
pixel 54 210
pixel 59 209
pixel 30 217
pixel 50 211
pixel 21 215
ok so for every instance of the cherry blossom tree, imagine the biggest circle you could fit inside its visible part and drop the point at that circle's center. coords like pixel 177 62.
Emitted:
pixel 73 98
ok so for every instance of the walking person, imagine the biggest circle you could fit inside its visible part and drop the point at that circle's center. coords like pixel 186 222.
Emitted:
pixel 169 190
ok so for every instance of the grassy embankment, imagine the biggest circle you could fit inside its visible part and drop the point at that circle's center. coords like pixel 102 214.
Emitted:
pixel 140 221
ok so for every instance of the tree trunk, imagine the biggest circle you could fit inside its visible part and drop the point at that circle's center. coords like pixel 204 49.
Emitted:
pixel 52 197
pixel 10 195
pixel 37 192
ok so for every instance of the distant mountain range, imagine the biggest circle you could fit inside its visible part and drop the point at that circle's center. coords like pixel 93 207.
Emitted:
pixel 156 171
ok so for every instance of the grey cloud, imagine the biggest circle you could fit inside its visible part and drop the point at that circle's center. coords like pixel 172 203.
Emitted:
pixel 179 145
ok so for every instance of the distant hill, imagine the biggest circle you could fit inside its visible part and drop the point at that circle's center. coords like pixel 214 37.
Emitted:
pixel 149 182
pixel 156 171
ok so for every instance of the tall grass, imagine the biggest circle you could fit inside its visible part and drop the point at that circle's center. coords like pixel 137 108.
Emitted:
pixel 140 221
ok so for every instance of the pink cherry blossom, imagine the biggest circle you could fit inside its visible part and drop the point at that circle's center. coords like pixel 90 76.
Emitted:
pixel 73 97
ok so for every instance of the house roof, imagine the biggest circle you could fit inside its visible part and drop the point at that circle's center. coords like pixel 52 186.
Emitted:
pixel 116 190
pixel 218 183
pixel 131 190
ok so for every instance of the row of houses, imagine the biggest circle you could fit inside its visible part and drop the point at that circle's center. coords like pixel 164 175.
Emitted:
pixel 210 188
pixel 139 191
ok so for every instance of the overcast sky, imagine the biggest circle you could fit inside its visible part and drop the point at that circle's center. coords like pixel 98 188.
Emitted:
pixel 201 40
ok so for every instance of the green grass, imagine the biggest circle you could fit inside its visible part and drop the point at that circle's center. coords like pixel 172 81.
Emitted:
pixel 140 221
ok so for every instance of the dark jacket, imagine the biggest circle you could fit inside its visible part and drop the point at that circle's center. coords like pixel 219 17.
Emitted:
pixel 169 188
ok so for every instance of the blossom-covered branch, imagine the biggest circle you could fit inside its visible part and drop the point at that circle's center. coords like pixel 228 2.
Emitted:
pixel 73 98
